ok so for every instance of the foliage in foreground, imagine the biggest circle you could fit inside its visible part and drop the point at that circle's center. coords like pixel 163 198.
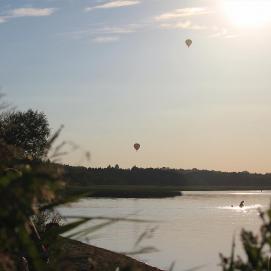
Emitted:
pixel 24 186
pixel 29 185
pixel 257 249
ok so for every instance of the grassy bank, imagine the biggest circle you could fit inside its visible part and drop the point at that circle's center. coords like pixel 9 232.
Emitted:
pixel 134 191
pixel 126 191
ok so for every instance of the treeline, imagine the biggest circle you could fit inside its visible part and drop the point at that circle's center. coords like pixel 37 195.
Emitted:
pixel 81 176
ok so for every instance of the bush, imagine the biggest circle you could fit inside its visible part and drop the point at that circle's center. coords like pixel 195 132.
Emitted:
pixel 256 247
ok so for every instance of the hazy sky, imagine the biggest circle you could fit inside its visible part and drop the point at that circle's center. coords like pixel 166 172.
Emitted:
pixel 118 72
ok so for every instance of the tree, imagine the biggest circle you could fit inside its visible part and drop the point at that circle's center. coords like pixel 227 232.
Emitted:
pixel 28 131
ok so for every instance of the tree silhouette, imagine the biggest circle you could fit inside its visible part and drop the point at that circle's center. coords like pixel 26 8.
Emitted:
pixel 28 131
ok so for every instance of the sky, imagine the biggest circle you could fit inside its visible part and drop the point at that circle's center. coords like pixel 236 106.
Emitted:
pixel 118 72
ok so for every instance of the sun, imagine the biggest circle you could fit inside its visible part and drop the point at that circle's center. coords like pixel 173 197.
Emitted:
pixel 248 13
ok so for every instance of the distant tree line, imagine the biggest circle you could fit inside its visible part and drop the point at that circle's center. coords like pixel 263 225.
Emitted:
pixel 83 176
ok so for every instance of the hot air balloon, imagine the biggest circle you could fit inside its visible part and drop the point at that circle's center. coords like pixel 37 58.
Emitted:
pixel 136 146
pixel 188 42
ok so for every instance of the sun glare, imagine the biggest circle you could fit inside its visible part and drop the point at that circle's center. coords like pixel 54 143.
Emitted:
pixel 248 13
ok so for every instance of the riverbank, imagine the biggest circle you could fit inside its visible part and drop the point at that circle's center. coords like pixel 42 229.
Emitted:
pixel 125 191
pixel 77 256
pixel 146 191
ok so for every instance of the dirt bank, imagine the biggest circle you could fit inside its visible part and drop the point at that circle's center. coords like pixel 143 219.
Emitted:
pixel 77 256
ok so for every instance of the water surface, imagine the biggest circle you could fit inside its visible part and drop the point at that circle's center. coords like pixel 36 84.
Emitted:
pixel 191 230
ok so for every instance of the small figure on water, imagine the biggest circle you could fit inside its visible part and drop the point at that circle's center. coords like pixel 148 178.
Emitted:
pixel 242 204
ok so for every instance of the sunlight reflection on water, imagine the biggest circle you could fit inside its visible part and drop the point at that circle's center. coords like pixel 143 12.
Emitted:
pixel 243 209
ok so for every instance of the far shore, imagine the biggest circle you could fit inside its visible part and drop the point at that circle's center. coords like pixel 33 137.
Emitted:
pixel 144 191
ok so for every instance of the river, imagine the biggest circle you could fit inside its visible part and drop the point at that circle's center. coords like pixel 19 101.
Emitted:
pixel 190 230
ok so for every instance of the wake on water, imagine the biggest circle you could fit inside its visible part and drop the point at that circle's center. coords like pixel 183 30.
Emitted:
pixel 245 208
